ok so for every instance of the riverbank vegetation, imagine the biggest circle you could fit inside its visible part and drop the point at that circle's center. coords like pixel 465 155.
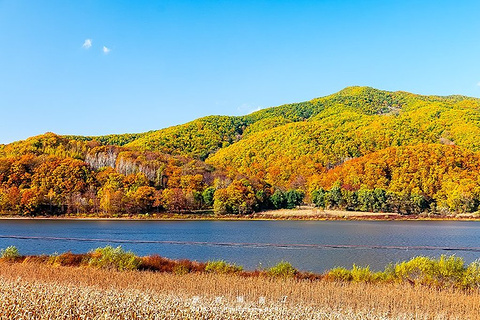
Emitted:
pixel 63 290
pixel 445 272
pixel 359 149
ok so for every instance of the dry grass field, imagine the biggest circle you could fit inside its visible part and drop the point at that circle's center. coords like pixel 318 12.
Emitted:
pixel 307 212
pixel 39 291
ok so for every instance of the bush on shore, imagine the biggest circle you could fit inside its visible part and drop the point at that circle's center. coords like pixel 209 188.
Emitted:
pixel 113 258
pixel 282 270
pixel 446 271
pixel 220 266
pixel 10 253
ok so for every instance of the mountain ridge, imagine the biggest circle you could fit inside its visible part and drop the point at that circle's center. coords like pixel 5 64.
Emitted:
pixel 276 157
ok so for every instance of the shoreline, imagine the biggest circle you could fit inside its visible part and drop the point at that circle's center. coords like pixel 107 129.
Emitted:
pixel 301 214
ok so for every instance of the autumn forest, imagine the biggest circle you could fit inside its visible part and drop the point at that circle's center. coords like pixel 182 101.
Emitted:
pixel 360 149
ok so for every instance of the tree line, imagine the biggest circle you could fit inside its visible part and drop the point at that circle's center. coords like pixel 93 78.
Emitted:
pixel 48 184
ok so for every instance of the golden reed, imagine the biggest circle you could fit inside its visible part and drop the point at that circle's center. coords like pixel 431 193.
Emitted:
pixel 39 291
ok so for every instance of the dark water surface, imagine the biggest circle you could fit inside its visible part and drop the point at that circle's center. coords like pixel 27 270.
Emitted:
pixel 254 243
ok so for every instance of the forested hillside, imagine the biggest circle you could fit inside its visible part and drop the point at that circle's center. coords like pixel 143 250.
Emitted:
pixel 198 138
pixel 406 179
pixel 359 149
pixel 347 128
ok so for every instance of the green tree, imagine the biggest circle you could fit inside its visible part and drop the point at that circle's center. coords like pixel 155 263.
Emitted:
pixel 318 197
pixel 208 196
pixel 334 198
pixel 294 198
pixel 278 199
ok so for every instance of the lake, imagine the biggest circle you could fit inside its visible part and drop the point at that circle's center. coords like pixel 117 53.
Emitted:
pixel 308 245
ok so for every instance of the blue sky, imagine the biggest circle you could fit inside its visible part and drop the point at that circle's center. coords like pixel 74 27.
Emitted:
pixel 169 62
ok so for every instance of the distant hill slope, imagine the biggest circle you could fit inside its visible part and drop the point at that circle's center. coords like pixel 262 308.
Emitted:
pixel 46 144
pixel 346 125
pixel 111 139
pixel 197 138
pixel 202 137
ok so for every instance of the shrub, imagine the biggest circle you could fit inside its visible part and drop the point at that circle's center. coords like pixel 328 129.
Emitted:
pixel 449 270
pixel 221 266
pixel 429 271
pixel 186 266
pixel 282 270
pixel 339 274
pixel 418 269
pixel 360 274
pixel 471 276
pixel 10 253
pixel 157 263
pixel 180 269
pixel 388 275
pixel 357 274
pixel 113 258
pixel 66 259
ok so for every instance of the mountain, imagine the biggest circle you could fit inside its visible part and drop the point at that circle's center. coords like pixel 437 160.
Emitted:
pixel 350 124
pixel 358 149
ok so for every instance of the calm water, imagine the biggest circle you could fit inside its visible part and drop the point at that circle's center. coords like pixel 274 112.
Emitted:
pixel 214 235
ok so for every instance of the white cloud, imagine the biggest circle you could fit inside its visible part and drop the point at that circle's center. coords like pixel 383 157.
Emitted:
pixel 478 84
pixel 87 44
pixel 248 108
pixel 106 50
